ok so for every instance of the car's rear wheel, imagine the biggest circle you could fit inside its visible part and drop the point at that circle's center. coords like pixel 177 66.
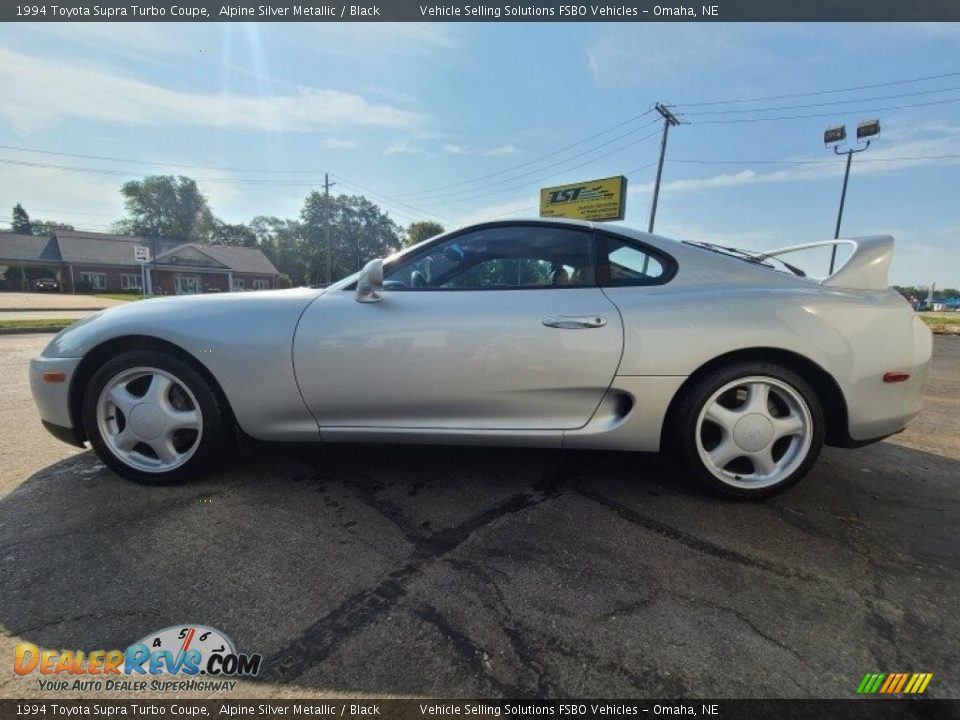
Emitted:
pixel 748 430
pixel 153 419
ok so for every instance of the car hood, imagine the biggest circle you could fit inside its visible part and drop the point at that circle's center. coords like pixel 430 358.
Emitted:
pixel 168 317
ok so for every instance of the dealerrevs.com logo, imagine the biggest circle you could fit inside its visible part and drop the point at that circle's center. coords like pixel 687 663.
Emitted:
pixel 183 652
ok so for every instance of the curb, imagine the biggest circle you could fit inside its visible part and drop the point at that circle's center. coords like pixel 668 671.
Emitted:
pixel 56 309
pixel 32 331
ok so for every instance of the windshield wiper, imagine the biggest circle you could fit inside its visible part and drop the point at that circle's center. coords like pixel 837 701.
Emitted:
pixel 747 255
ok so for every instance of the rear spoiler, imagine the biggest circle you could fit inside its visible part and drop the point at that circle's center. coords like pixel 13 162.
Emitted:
pixel 867 268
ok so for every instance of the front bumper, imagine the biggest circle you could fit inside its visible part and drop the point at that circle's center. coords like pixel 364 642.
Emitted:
pixel 53 398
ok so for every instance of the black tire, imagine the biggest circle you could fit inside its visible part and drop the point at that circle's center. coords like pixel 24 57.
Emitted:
pixel 681 429
pixel 215 422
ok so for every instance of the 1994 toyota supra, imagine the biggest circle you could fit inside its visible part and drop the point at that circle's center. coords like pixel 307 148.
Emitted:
pixel 535 333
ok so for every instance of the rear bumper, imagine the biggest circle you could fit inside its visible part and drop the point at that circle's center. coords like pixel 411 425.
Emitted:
pixel 53 398
pixel 877 409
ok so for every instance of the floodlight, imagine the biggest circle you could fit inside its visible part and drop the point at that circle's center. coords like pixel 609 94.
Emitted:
pixel 868 129
pixel 835 135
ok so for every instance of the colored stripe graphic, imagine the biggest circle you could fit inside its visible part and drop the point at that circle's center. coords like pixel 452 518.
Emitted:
pixel 894 683
pixel 891 679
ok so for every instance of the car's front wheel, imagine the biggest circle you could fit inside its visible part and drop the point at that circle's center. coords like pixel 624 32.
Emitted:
pixel 748 430
pixel 152 418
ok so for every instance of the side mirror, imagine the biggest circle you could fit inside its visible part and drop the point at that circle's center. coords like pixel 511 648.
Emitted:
pixel 370 283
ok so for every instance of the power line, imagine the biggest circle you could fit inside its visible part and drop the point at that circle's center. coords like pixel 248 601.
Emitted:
pixel 830 114
pixel 155 164
pixel 554 164
pixel 127 174
pixel 538 159
pixel 390 200
pixel 536 207
pixel 821 92
pixel 553 175
pixel 394 200
pixel 823 104
pixel 814 162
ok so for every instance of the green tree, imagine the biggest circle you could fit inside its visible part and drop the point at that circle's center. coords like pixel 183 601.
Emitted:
pixel 21 221
pixel 282 241
pixel 227 234
pixel 163 206
pixel 908 291
pixel 48 227
pixel 420 231
pixel 359 231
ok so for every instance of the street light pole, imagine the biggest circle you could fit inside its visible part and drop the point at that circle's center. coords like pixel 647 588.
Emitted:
pixel 843 197
pixel 835 136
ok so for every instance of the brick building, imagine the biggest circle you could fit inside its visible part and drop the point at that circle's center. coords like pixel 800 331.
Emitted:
pixel 105 263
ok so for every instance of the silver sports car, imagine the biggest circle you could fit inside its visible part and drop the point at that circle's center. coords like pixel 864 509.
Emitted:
pixel 537 333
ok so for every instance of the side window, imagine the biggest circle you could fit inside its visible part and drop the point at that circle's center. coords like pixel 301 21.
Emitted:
pixel 499 258
pixel 624 263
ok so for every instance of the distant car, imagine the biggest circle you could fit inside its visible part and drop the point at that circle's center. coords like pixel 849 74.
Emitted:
pixel 535 333
pixel 46 285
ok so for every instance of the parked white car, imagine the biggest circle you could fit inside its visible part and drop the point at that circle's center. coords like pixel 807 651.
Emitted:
pixel 534 333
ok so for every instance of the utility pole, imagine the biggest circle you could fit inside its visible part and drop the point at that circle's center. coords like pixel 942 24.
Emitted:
pixel 326 222
pixel 668 119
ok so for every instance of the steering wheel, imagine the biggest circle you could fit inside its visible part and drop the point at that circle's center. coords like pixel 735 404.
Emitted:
pixel 418 279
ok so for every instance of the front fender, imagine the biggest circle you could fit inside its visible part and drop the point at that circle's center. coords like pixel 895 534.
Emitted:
pixel 243 339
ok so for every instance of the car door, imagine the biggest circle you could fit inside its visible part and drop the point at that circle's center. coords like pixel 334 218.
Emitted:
pixel 497 328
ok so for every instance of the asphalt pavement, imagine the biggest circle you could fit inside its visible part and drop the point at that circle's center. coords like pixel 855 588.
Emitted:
pixel 462 572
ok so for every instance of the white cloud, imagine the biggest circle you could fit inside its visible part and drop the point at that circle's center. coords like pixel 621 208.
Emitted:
pixel 499 151
pixel 637 53
pixel 878 161
pixel 92 202
pixel 335 144
pixel 402 148
pixel 39 91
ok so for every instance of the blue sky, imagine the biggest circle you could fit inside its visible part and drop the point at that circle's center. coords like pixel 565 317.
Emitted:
pixel 408 110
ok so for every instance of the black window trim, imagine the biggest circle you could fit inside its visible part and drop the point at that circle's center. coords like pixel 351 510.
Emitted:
pixel 598 248
pixel 415 257
pixel 602 261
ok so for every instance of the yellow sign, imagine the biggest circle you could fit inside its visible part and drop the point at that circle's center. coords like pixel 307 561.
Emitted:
pixel 603 199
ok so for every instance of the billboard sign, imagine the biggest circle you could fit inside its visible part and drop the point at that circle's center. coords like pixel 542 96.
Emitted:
pixel 603 199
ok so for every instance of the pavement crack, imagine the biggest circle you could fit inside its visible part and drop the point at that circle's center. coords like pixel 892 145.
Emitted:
pixel 475 656
pixel 742 617
pixel 697 543
pixel 321 639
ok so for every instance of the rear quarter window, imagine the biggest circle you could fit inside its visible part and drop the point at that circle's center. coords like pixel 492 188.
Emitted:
pixel 624 262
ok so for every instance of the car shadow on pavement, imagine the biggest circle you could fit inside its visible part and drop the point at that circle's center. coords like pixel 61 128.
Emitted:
pixel 466 572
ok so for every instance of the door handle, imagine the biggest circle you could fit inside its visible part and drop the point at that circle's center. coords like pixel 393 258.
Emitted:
pixel 575 322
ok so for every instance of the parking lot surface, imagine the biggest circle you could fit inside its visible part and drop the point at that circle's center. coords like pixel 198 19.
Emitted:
pixel 462 572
